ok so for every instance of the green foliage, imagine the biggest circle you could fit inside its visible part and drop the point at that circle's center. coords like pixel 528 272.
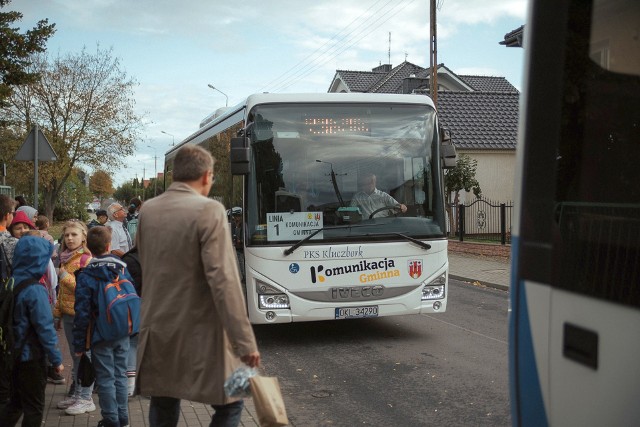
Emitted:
pixel 72 200
pixel 132 189
pixel 126 192
pixel 462 177
pixel 84 104
pixel 16 49
pixel 155 188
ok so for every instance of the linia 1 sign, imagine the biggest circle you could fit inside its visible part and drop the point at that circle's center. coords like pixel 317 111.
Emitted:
pixel 293 225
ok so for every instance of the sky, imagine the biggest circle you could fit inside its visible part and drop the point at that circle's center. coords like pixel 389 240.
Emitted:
pixel 175 49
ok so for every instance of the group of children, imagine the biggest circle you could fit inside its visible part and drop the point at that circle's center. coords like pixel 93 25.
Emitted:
pixel 85 268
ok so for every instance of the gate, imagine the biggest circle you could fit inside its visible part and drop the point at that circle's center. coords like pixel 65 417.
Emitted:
pixel 482 220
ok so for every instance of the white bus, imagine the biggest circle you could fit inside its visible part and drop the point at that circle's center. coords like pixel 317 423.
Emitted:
pixel 293 163
pixel 575 291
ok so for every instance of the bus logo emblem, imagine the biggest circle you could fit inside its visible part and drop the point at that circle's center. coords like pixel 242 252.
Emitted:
pixel 415 268
pixel 316 276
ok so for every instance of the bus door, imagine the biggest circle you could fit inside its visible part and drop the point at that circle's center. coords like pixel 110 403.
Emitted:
pixel 576 302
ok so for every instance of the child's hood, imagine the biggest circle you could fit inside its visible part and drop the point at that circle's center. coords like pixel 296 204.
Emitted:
pixel 104 267
pixel 31 258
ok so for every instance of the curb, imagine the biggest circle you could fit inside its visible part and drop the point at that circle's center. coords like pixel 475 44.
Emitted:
pixel 483 283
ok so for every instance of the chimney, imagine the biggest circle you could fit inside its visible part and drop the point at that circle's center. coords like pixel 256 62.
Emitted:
pixel 411 83
pixel 384 68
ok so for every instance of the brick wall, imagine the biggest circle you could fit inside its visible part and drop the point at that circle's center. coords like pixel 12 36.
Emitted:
pixel 481 249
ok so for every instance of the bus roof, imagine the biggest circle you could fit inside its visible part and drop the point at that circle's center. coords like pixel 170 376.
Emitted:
pixel 277 98
pixel 293 98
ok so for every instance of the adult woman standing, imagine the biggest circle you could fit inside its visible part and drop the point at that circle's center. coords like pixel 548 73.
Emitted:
pixel 73 256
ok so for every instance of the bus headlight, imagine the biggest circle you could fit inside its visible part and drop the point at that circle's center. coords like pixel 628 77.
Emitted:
pixel 273 301
pixel 270 297
pixel 435 288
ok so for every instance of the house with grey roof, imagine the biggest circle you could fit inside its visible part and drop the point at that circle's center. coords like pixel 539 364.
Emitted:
pixel 480 111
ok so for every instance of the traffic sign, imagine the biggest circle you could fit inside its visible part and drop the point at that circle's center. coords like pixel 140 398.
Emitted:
pixel 28 150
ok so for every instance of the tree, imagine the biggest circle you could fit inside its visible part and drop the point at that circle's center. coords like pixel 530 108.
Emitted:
pixel 126 192
pixel 73 198
pixel 84 105
pixel 101 184
pixel 16 50
pixel 461 177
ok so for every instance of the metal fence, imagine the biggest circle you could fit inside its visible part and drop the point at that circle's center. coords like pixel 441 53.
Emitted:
pixel 5 189
pixel 483 220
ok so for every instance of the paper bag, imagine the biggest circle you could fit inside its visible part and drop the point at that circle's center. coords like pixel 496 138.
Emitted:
pixel 268 401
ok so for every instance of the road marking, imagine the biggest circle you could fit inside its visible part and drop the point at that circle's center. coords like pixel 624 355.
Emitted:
pixel 464 329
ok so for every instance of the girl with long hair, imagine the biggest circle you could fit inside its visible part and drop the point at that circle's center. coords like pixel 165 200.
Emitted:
pixel 74 255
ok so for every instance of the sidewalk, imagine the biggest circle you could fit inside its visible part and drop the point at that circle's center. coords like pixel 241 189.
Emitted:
pixel 484 270
pixel 192 413
pixel 487 271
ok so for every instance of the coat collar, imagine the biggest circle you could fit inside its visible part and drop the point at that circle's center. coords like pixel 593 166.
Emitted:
pixel 181 186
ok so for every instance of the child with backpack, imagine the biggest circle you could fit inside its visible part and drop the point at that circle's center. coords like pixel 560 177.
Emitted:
pixel 107 313
pixel 34 337
pixel 133 266
pixel 74 255
pixel 7 246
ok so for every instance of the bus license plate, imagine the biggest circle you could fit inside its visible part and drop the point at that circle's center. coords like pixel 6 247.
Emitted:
pixel 356 312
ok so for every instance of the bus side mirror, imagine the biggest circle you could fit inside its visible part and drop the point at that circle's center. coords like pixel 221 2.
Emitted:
pixel 447 149
pixel 240 156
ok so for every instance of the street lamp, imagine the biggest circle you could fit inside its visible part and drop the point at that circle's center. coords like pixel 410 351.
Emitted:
pixel 155 171
pixel 226 104
pixel 329 163
pixel 173 138
pixel 144 169
pixel 334 182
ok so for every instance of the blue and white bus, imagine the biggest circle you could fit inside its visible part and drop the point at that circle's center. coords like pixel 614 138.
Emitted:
pixel 575 291
pixel 293 162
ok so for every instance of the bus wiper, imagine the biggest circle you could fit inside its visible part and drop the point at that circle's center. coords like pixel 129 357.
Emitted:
pixel 306 239
pixel 423 245
pixel 416 241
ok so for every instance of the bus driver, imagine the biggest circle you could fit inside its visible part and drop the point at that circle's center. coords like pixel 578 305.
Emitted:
pixel 369 198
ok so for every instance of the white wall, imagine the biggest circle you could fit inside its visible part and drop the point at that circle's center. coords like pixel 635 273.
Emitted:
pixel 495 173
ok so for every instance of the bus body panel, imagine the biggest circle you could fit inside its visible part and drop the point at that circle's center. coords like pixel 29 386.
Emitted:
pixel 306 282
pixel 575 287
pixel 581 395
pixel 528 343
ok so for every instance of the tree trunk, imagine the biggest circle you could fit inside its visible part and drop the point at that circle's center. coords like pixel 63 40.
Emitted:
pixel 50 202
pixel 454 220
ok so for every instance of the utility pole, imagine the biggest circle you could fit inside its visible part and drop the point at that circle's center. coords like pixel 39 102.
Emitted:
pixel 144 189
pixel 155 171
pixel 433 54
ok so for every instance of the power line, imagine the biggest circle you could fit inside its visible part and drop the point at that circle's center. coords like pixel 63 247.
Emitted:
pixel 302 73
pixel 312 54
pixel 337 48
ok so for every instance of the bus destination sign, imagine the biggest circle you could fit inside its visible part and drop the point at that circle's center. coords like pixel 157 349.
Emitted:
pixel 293 225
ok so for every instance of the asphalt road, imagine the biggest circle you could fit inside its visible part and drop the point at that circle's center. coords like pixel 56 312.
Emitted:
pixel 427 370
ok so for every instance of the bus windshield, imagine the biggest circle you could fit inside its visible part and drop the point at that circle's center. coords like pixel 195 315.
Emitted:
pixel 356 171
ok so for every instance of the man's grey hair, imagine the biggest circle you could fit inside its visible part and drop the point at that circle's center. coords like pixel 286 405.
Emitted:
pixel 191 163
pixel 112 209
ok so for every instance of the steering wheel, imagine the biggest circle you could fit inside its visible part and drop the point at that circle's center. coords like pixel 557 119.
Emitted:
pixel 396 208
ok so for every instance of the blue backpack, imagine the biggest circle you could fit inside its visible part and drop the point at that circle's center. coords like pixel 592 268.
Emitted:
pixel 118 309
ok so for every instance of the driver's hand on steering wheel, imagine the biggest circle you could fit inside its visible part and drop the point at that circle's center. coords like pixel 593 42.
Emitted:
pixel 402 207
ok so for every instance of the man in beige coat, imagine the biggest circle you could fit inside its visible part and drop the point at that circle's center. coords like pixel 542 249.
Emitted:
pixel 194 328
